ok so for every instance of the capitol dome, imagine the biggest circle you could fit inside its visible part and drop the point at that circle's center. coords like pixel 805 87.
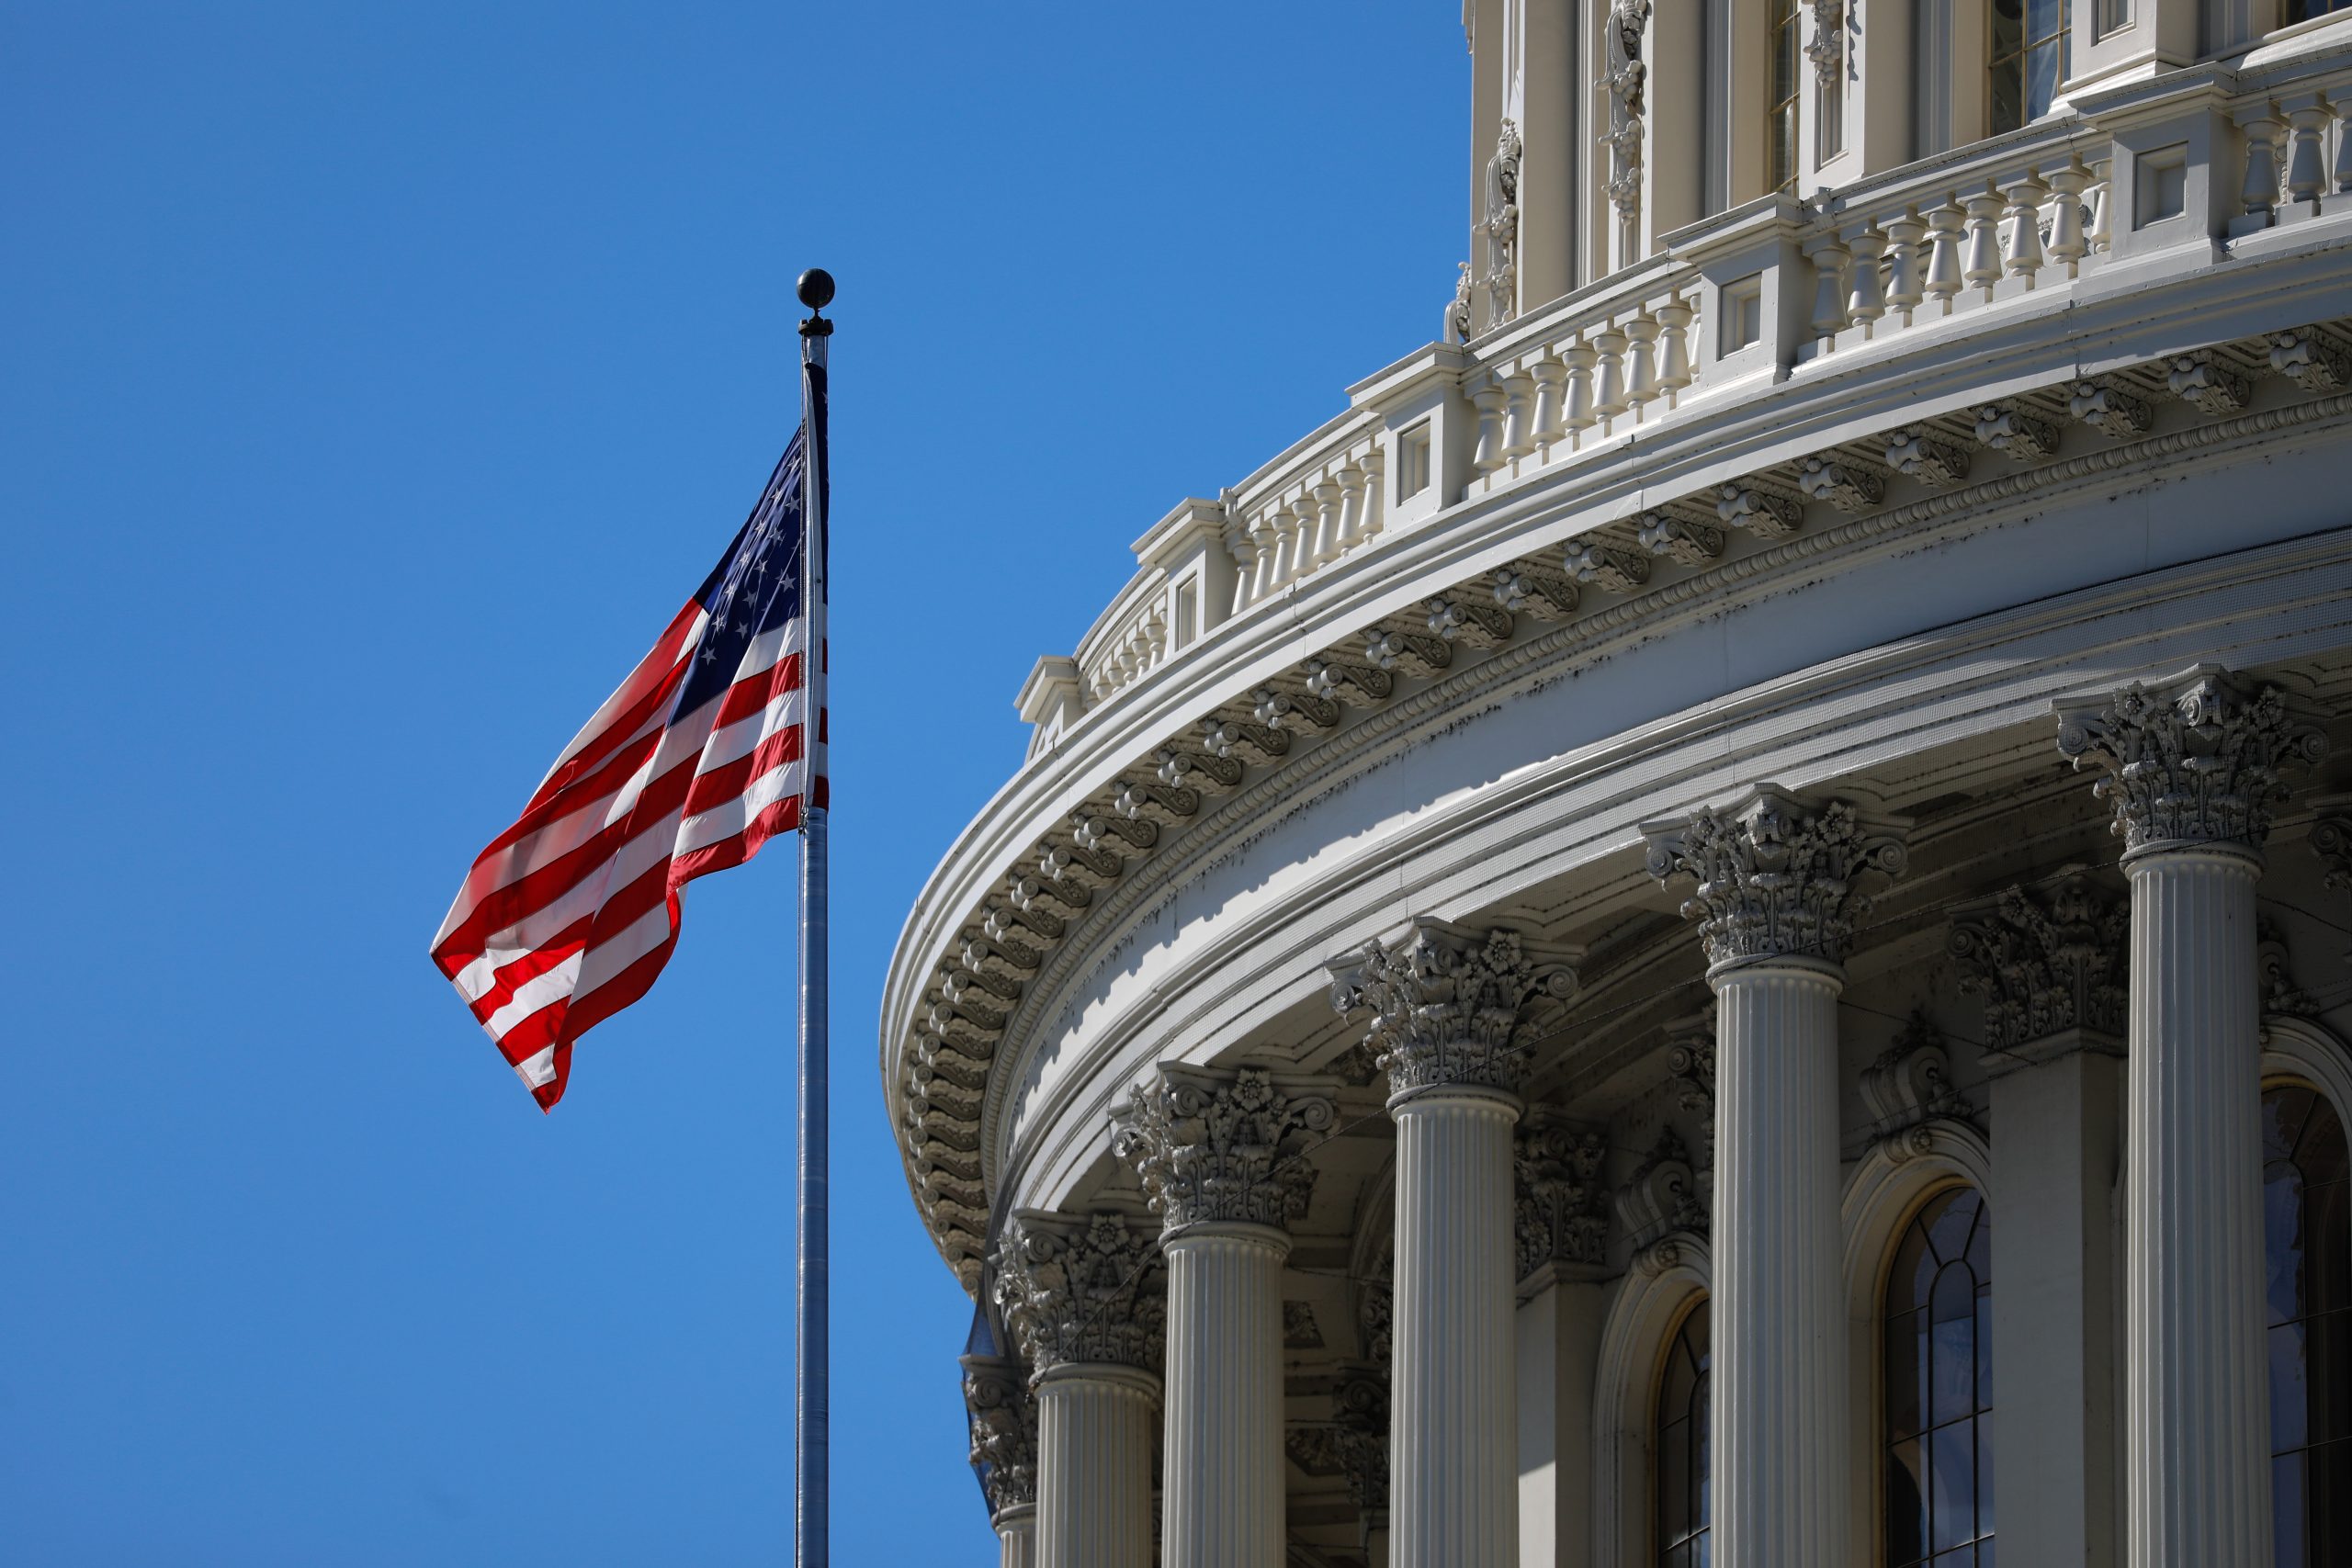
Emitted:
pixel 1745 838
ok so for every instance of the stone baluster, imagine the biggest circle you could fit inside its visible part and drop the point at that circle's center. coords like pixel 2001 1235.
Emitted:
pixel 1903 292
pixel 1828 259
pixel 1551 377
pixel 2308 117
pixel 2098 201
pixel 1352 497
pixel 2192 768
pixel 1580 360
pixel 1866 293
pixel 1491 400
pixel 1327 521
pixel 2259 193
pixel 1609 375
pixel 2342 173
pixel 2021 245
pixel 1222 1158
pixel 1376 498
pixel 1641 361
pixel 1945 226
pixel 1777 908
pixel 1287 532
pixel 1453 1015
pixel 1002 1414
pixel 1518 433
pixel 1674 370
pixel 1244 551
pixel 1268 542
pixel 1083 1299
pixel 1981 267
pixel 2069 241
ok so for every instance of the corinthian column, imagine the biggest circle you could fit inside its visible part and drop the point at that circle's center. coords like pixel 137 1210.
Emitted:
pixel 1004 1419
pixel 1455 1012
pixel 1083 1298
pixel 1222 1159
pixel 2192 768
pixel 1776 906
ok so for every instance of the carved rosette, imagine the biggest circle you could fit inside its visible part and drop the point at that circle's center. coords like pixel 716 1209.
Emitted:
pixel 1776 874
pixel 1354 1442
pixel 2193 762
pixel 1090 1290
pixel 1003 1417
pixel 1217 1147
pixel 2045 961
pixel 1562 1207
pixel 1452 1008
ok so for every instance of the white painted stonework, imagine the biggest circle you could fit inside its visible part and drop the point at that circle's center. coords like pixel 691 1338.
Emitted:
pixel 1790 710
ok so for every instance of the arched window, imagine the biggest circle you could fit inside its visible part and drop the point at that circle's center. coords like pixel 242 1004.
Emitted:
pixel 2027 56
pixel 2307 1235
pixel 1681 1449
pixel 1939 1415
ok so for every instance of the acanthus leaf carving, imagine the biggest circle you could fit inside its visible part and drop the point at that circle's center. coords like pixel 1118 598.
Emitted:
pixel 1764 514
pixel 1451 1006
pixel 1661 1199
pixel 2197 760
pixel 1527 589
pixel 2017 431
pixel 2045 960
pixel 1090 1290
pixel 1210 1147
pixel 1499 228
pixel 1352 1444
pixel 1616 570
pixel 1688 542
pixel 1003 1416
pixel 1909 1084
pixel 1776 874
pixel 1560 1206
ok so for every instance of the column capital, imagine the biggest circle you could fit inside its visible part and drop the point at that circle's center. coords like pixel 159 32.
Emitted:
pixel 2190 762
pixel 1223 1148
pixel 1453 1007
pixel 1561 1209
pixel 1776 874
pixel 1353 1443
pixel 2332 842
pixel 2051 962
pixel 1089 1290
pixel 1003 1414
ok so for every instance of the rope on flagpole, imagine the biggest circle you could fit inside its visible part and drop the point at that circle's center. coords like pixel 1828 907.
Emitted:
pixel 811 1380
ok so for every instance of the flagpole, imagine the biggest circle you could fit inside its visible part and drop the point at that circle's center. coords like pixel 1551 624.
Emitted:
pixel 812 1456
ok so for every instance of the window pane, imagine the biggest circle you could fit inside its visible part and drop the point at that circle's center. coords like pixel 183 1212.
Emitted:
pixel 1906 1520
pixel 2008 108
pixel 1949 1219
pixel 2287 1510
pixel 2328 1377
pixel 2282 1239
pixel 1952 1503
pixel 1906 1374
pixel 2044 64
pixel 1985 1350
pixel 1984 1476
pixel 1951 1362
pixel 2289 1398
pixel 2042 18
pixel 2283 1111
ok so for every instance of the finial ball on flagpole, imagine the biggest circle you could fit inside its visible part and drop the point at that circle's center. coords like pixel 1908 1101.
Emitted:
pixel 816 288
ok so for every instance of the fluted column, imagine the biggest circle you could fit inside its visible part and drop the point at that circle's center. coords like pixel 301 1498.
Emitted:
pixel 1084 1301
pixel 2192 768
pixel 1776 906
pixel 1222 1157
pixel 1003 1417
pixel 1456 1011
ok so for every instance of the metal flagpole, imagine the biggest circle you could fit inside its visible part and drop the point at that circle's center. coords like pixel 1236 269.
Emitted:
pixel 812 1461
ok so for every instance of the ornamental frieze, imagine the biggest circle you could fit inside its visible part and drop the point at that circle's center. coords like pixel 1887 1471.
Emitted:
pixel 1451 1006
pixel 1213 1146
pixel 2197 759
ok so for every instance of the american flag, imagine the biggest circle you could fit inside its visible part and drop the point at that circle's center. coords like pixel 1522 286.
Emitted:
pixel 699 759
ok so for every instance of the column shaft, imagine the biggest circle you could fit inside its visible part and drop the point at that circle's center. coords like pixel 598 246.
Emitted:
pixel 1017 1530
pixel 2198 1457
pixel 1453 1433
pixel 1779 1380
pixel 1225 1463
pixel 1094 1467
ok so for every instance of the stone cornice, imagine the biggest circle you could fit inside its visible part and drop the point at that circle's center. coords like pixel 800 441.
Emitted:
pixel 956 1178
pixel 1450 1007
pixel 2194 761
pixel 1213 1147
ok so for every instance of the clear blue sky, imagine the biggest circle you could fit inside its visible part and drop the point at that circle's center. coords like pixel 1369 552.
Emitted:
pixel 378 381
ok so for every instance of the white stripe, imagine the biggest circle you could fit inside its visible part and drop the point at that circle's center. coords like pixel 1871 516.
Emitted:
pixel 644 849
pixel 622 948
pixel 728 817
pixel 743 738
pixel 537 1069
pixel 630 690
pixel 532 995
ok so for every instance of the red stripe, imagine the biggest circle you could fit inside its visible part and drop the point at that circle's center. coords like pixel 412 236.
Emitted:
pixel 777 816
pixel 728 780
pixel 511 976
pixel 666 663
pixel 749 695
pixel 603 785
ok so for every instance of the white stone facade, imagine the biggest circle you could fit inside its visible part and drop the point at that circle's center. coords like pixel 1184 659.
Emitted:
pixel 1742 841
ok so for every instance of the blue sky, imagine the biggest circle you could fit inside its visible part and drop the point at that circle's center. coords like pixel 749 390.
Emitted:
pixel 379 381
